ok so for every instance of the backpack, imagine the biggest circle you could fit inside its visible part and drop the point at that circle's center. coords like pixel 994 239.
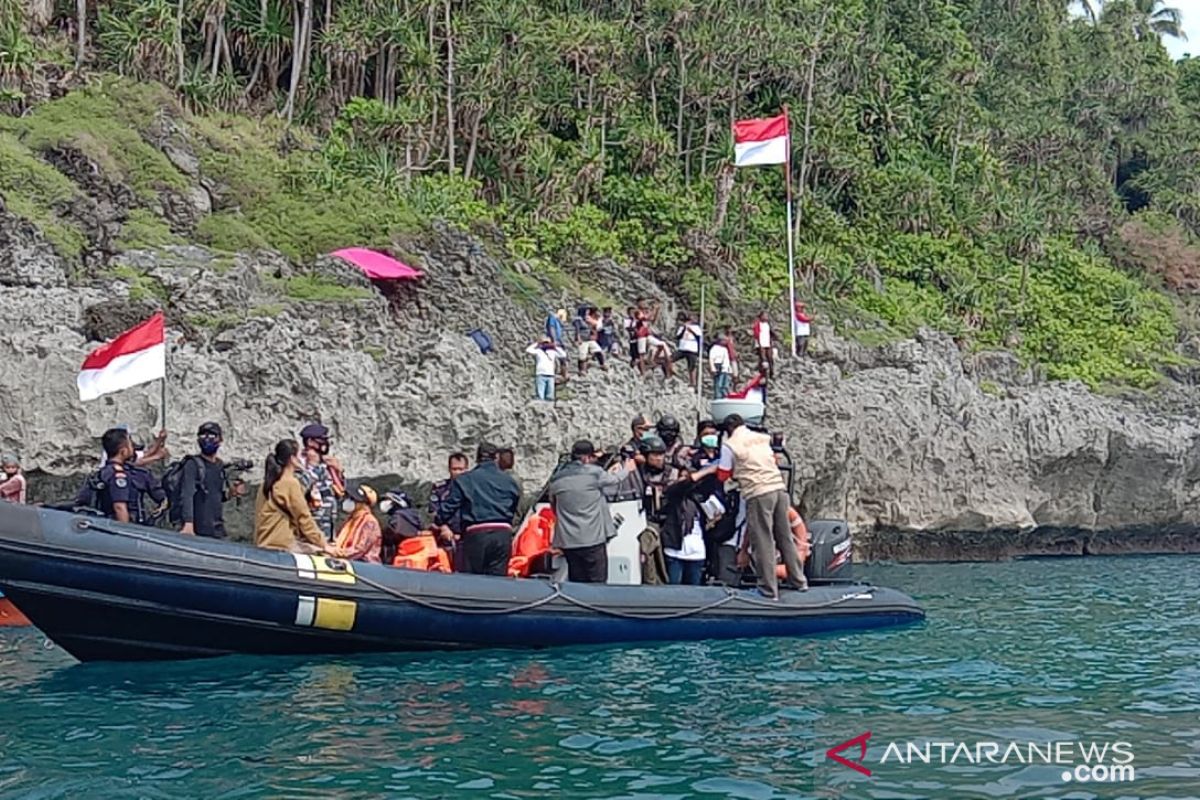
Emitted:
pixel 482 340
pixel 90 493
pixel 172 482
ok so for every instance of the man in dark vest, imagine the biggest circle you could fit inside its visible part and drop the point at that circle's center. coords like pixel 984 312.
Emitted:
pixel 487 498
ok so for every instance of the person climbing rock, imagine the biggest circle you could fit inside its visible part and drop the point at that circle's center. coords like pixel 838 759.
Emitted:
pixel 721 366
pixel 547 356
pixel 763 342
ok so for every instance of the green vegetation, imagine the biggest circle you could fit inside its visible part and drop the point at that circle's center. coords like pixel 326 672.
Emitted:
pixel 141 286
pixel 105 122
pixel 1001 172
pixel 315 289
pixel 38 192
pixel 144 231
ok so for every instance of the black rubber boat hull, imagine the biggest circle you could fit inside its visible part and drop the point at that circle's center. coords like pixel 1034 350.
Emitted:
pixel 105 591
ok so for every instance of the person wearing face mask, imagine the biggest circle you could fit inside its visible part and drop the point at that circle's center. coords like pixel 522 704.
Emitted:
pixel 360 538
pixel 282 517
pixel 121 490
pixel 322 477
pixel 202 492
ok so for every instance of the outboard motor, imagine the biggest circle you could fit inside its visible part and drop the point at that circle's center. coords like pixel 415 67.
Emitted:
pixel 832 551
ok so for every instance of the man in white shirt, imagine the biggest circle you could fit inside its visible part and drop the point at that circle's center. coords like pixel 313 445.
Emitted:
pixel 546 356
pixel 688 338
pixel 721 366
pixel 762 341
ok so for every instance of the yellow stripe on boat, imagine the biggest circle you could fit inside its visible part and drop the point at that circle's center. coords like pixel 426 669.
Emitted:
pixel 335 615
pixel 321 568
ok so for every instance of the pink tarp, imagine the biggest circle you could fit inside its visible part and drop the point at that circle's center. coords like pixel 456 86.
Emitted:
pixel 377 266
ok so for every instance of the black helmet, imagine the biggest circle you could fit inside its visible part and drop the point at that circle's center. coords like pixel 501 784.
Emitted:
pixel 668 428
pixel 667 424
pixel 652 444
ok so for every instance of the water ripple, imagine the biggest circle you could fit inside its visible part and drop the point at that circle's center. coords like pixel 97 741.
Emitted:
pixel 1075 650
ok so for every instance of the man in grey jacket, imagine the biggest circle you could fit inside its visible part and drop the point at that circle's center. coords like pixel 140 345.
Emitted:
pixel 584 524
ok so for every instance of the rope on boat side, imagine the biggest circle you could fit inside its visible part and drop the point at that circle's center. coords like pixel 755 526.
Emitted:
pixel 557 593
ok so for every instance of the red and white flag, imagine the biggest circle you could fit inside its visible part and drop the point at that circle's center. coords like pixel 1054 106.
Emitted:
pixel 760 141
pixel 139 355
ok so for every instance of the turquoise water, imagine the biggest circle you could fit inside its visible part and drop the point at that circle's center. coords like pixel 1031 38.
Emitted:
pixel 1087 649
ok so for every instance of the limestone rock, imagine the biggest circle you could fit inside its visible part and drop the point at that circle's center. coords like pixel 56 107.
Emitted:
pixel 27 259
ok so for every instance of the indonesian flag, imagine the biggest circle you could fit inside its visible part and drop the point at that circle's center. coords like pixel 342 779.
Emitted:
pixel 139 355
pixel 760 141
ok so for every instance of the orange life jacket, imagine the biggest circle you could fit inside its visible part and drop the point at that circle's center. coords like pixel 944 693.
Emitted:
pixel 532 541
pixel 800 535
pixel 421 552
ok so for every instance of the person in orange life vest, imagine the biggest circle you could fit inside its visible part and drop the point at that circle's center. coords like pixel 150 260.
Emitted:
pixel 800 534
pixel 360 537
pixel 401 521
pixel 416 548
pixel 532 544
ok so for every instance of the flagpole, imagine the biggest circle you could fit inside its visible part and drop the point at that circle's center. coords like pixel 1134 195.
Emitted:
pixel 162 409
pixel 791 247
pixel 700 361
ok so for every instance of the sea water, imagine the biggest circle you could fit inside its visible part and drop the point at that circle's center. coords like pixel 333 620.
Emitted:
pixel 1066 653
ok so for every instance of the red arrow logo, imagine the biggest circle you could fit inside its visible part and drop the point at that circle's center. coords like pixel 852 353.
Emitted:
pixel 856 765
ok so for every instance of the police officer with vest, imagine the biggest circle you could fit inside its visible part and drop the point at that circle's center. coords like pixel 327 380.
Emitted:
pixel 125 492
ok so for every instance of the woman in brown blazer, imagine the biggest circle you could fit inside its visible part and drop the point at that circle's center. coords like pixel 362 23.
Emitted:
pixel 282 519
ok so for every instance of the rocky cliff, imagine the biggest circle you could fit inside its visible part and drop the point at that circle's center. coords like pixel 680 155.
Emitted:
pixel 929 453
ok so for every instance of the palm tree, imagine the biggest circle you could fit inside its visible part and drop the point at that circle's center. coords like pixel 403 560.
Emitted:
pixel 1149 17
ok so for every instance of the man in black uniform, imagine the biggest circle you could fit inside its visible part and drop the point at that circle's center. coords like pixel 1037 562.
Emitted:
pixel 202 491
pixel 487 497
pixel 120 486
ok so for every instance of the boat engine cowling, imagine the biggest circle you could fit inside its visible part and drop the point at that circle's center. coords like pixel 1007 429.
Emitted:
pixel 832 557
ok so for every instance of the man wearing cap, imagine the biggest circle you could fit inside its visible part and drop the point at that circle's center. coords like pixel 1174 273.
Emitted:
pixel 323 479
pixel 202 494
pixel 584 524
pixel 639 427
pixel 487 497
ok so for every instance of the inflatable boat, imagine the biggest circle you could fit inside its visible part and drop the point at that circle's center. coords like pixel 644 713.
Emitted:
pixel 10 615
pixel 107 591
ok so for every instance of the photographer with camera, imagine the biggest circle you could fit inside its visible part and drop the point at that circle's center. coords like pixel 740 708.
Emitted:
pixel 204 486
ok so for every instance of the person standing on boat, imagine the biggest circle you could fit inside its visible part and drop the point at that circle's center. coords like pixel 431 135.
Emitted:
pixel 283 519
pixel 747 457
pixel 120 489
pixel 202 492
pixel 322 477
pixel 360 538
pixel 12 483
pixel 451 533
pixel 584 525
pixel 487 497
